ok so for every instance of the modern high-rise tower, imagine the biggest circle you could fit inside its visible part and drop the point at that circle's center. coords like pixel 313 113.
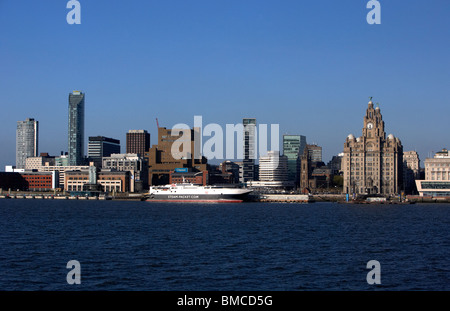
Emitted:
pixel 293 146
pixel 248 172
pixel 76 128
pixel 26 141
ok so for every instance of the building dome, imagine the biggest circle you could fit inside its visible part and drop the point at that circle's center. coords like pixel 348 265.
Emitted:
pixel 390 136
pixel 358 139
pixel 351 137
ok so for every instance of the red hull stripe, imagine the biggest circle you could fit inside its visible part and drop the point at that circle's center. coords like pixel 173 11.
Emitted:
pixel 195 201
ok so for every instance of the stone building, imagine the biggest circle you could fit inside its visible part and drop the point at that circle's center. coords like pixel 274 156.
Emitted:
pixel 411 171
pixel 437 176
pixel 372 163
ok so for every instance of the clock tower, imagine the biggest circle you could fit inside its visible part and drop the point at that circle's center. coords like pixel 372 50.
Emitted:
pixel 373 123
pixel 372 163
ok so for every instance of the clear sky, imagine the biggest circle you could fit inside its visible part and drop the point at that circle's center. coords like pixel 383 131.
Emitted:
pixel 309 66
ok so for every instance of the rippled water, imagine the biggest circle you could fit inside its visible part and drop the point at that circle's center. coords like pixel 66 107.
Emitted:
pixel 150 246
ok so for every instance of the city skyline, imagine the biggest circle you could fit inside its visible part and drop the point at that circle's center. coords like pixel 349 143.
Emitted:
pixel 309 67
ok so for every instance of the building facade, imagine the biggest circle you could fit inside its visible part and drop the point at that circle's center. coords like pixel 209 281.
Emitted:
pixel 162 160
pixel 293 146
pixel 41 181
pixel 273 171
pixel 315 153
pixel 27 141
pixel 133 163
pixel 110 181
pixel 309 162
pixel 138 141
pixel 100 146
pixel 76 128
pixel 411 171
pixel 248 170
pixel 437 176
pixel 372 163
pixel 61 171
pixel 35 163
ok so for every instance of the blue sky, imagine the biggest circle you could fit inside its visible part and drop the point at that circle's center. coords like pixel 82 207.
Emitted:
pixel 309 66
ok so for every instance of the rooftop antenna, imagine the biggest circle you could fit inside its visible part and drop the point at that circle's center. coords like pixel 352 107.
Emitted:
pixel 157 123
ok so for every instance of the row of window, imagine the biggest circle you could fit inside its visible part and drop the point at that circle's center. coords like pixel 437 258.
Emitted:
pixel 437 164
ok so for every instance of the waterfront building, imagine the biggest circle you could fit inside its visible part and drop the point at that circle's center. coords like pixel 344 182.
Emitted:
pixel 335 164
pixel 11 180
pixel 273 172
pixel 196 178
pixel 27 141
pixel 411 171
pixel 110 180
pixel 248 170
pixel 76 128
pixel 133 163
pixel 161 160
pixel 138 141
pixel 372 163
pixel 61 170
pixel 293 146
pixel 437 176
pixel 29 180
pixel 232 168
pixel 101 146
pixel 308 163
pixel 41 181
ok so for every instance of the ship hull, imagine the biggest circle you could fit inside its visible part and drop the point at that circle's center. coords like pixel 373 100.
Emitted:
pixel 197 198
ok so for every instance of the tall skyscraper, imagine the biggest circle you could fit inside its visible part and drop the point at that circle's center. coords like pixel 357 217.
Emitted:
pixel 138 141
pixel 293 146
pixel 76 128
pixel 26 141
pixel 248 173
pixel 100 146
pixel 372 163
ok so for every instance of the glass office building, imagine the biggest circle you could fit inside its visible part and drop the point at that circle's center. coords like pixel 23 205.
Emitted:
pixel 76 128
pixel 101 146
pixel 293 147
pixel 248 173
pixel 26 141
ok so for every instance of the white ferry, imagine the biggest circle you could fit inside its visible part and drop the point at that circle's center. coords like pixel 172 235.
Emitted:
pixel 187 192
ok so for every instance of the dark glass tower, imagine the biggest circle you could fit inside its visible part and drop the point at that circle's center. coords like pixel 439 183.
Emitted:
pixel 249 149
pixel 293 146
pixel 76 128
pixel 101 146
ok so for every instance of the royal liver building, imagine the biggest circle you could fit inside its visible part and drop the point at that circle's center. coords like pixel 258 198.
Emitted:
pixel 372 163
